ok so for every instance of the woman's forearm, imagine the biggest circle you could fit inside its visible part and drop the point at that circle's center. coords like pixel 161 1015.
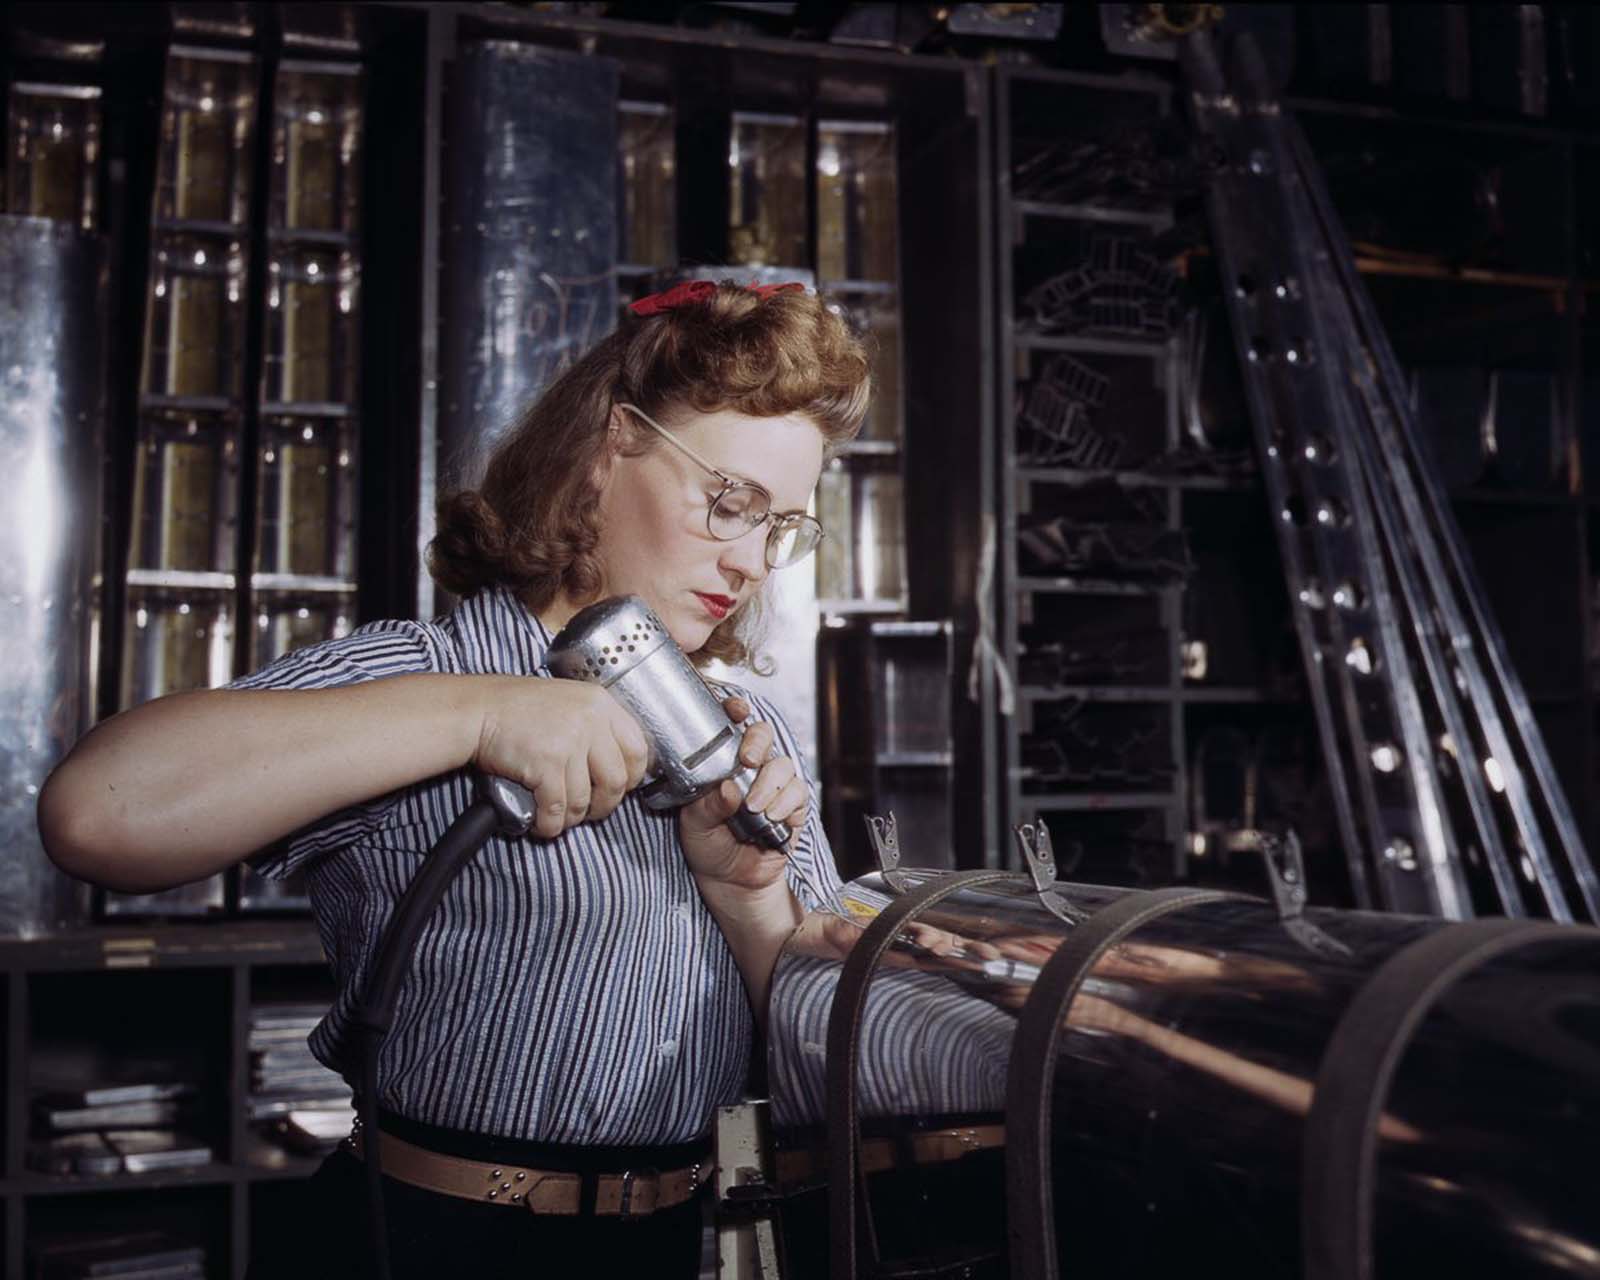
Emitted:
pixel 187 784
pixel 756 923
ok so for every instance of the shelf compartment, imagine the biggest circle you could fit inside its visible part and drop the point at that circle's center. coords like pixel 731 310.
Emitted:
pixel 1236 621
pixel 767 189
pixel 1116 845
pixel 191 1214
pixel 195 321
pixel 53 140
pixel 185 493
pixel 856 200
pixel 97 1031
pixel 306 482
pixel 919 799
pixel 206 163
pixel 176 638
pixel 317 125
pixel 874 314
pixel 1111 647
pixel 1076 142
pixel 647 188
pixel 290 619
pixel 1088 411
pixel 863 558
pixel 282 1076
pixel 1072 746
pixel 1088 281
pixel 311 326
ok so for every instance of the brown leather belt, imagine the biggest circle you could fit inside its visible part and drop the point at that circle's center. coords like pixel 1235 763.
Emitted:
pixel 929 1146
pixel 630 1194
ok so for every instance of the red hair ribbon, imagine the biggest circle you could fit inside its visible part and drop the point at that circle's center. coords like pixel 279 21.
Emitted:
pixel 691 291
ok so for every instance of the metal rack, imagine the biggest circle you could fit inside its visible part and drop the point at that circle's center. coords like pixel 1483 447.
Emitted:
pixel 119 976
pixel 1023 219
pixel 243 537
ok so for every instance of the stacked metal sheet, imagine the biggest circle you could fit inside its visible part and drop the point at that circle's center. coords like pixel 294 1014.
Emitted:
pixel 117 1128
pixel 286 1081
pixel 133 1255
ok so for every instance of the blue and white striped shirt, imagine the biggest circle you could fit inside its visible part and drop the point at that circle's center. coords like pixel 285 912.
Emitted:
pixel 573 990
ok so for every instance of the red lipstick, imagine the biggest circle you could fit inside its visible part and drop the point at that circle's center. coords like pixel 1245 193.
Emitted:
pixel 717 606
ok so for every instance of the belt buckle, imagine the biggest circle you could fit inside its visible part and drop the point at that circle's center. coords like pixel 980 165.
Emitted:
pixel 630 1178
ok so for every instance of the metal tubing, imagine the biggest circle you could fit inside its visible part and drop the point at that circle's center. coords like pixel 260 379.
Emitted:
pixel 1187 1065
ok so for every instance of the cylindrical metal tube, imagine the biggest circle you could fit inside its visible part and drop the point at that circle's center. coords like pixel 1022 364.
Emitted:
pixel 1185 1064
pixel 52 341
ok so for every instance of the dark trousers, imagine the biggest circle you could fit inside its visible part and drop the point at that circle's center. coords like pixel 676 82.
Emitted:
pixel 321 1230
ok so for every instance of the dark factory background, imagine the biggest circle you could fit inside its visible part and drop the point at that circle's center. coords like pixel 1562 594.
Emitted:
pixel 290 266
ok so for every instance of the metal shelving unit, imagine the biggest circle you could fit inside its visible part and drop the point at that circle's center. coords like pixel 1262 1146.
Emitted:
pixel 1023 483
pixel 114 974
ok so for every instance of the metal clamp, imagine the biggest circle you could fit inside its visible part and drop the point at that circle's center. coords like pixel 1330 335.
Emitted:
pixel 884 833
pixel 1286 873
pixel 1038 855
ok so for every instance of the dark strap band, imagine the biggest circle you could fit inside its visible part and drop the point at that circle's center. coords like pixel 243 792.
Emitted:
pixel 844 1025
pixel 1030 1078
pixel 1339 1173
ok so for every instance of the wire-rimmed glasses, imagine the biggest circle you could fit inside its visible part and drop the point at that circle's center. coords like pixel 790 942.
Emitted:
pixel 742 505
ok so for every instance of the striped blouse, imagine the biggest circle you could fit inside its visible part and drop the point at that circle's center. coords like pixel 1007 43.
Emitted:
pixel 573 990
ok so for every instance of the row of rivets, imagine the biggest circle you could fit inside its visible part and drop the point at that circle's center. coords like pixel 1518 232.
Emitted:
pixel 521 1176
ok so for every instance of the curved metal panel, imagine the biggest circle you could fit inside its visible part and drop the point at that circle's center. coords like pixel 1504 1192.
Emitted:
pixel 52 314
pixel 1187 1064
pixel 530 241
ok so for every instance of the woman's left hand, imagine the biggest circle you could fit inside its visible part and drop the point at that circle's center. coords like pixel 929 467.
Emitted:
pixel 713 852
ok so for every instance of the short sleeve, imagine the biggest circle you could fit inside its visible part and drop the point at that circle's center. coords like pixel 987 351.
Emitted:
pixel 373 652
pixel 379 649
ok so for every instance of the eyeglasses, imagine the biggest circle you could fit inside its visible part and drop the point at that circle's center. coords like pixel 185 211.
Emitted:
pixel 742 505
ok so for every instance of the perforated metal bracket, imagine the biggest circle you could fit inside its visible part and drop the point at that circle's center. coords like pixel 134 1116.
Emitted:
pixel 884 833
pixel 1286 873
pixel 1039 857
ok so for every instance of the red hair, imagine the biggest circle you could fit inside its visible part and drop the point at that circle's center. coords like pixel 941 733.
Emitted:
pixel 533 523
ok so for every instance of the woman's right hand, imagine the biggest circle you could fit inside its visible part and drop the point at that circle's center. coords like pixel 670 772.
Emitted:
pixel 570 743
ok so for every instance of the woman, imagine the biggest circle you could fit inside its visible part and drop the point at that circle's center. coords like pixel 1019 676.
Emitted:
pixel 584 998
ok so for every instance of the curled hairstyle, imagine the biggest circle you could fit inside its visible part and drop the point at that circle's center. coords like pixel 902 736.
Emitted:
pixel 533 524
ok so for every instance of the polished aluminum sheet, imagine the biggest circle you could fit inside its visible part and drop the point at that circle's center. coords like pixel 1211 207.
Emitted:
pixel 52 312
pixel 530 237
pixel 1186 1071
